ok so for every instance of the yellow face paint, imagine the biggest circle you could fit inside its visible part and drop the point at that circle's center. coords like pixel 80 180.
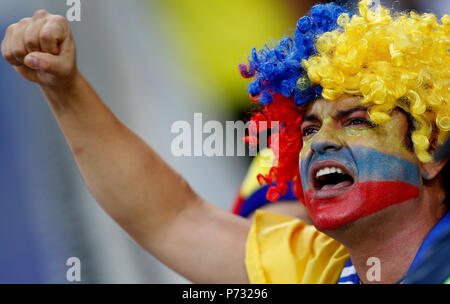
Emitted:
pixel 354 129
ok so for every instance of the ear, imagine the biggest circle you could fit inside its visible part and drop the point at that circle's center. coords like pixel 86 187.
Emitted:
pixel 431 169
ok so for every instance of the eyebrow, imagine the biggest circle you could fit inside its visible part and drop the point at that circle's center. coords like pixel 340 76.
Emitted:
pixel 347 112
pixel 310 117
pixel 339 114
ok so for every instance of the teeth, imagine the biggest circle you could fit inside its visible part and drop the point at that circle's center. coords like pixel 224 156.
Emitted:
pixel 328 170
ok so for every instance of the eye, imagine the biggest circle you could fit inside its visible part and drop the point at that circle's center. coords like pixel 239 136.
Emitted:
pixel 359 122
pixel 308 131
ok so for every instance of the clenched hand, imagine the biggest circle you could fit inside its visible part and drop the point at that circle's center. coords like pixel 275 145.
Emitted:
pixel 41 49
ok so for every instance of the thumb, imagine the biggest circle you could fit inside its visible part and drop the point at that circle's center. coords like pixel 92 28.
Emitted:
pixel 43 62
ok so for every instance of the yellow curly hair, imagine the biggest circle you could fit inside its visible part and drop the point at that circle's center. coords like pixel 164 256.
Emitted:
pixel 392 60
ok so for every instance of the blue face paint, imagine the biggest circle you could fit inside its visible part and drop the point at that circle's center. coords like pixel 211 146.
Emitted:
pixel 379 181
pixel 365 164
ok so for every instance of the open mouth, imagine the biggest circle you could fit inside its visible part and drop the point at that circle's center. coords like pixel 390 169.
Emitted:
pixel 331 179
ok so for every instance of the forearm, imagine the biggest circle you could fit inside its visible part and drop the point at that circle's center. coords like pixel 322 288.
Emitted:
pixel 129 180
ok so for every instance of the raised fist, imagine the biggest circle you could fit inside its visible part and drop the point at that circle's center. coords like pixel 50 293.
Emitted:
pixel 41 49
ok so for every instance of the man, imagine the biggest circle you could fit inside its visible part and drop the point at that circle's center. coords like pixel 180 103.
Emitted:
pixel 362 183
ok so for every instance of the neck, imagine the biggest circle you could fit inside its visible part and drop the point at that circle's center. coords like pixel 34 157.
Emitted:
pixel 393 236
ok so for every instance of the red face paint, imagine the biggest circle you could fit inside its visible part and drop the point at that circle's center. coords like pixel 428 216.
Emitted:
pixel 361 200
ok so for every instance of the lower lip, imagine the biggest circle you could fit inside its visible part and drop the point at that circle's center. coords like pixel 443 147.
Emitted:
pixel 327 191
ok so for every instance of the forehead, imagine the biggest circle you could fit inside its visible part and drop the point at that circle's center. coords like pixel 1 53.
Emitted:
pixel 324 107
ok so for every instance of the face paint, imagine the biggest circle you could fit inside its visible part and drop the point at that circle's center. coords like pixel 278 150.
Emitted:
pixel 379 181
pixel 349 173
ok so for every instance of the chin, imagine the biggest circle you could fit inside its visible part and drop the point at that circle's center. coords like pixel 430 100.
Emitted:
pixel 325 222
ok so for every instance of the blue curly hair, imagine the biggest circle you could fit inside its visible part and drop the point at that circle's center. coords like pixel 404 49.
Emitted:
pixel 279 69
pixel 281 85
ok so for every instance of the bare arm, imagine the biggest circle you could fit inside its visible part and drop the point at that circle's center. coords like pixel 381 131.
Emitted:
pixel 130 181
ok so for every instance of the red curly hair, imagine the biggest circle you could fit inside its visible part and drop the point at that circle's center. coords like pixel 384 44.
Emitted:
pixel 285 143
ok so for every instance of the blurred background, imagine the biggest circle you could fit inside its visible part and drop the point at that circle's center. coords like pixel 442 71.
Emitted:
pixel 153 63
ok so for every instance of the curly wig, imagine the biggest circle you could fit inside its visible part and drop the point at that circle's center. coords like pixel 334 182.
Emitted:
pixel 390 59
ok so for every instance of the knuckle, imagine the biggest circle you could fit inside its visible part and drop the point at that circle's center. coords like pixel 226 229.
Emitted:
pixel 30 41
pixel 46 65
pixel 24 21
pixel 10 28
pixel 8 57
pixel 40 14
pixel 59 22
pixel 18 52
pixel 6 54
pixel 17 59
pixel 47 34
pixel 58 19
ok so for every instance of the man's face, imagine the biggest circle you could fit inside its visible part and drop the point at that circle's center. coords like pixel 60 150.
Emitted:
pixel 350 168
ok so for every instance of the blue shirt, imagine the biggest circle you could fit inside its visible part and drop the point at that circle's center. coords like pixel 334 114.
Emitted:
pixel 350 276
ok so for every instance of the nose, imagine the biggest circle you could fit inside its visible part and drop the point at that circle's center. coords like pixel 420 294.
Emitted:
pixel 327 146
